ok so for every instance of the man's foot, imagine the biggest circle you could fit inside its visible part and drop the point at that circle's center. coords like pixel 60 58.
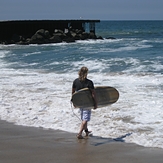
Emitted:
pixel 79 136
pixel 87 133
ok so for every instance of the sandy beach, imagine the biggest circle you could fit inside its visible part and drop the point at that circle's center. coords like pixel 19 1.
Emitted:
pixel 19 144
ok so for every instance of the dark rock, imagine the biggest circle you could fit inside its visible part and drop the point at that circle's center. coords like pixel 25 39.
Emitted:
pixel 61 35
pixel 92 36
pixel 69 40
pixel 58 31
pixel 55 39
pixel 47 34
pixel 73 34
pixel 85 36
pixel 100 38
pixel 112 38
pixel 39 37
pixel 40 32
pixel 79 37
pixel 79 31
pixel 28 40
pixel 22 43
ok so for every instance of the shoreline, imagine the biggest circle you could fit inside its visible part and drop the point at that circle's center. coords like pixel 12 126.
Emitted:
pixel 30 144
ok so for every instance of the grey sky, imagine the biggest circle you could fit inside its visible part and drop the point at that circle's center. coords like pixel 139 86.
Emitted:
pixel 85 9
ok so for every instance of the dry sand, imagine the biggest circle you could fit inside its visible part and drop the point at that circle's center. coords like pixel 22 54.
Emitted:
pixel 19 144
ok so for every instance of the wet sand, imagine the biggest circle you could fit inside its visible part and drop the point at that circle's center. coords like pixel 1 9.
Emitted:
pixel 19 144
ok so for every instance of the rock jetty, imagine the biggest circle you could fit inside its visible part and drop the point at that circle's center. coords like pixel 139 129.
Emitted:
pixel 43 36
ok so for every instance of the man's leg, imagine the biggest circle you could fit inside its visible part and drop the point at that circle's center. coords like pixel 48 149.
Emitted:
pixel 82 127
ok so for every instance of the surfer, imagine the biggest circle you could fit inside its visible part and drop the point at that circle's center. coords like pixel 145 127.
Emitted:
pixel 80 83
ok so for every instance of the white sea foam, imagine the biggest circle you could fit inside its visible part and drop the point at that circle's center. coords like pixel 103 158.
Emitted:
pixel 36 97
pixel 43 100
pixel 3 53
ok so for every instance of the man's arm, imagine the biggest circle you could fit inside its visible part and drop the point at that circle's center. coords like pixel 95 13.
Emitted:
pixel 94 98
pixel 73 90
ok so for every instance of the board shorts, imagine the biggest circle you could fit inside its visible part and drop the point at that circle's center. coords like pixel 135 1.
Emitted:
pixel 85 114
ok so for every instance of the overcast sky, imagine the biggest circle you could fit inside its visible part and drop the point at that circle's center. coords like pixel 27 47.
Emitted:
pixel 85 9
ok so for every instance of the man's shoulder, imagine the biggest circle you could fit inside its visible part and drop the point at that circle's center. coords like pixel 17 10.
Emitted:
pixel 77 79
pixel 89 80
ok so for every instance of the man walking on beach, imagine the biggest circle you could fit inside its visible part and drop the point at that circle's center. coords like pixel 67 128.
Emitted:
pixel 80 83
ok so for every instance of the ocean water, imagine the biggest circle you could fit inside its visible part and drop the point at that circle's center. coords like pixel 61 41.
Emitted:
pixel 36 81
